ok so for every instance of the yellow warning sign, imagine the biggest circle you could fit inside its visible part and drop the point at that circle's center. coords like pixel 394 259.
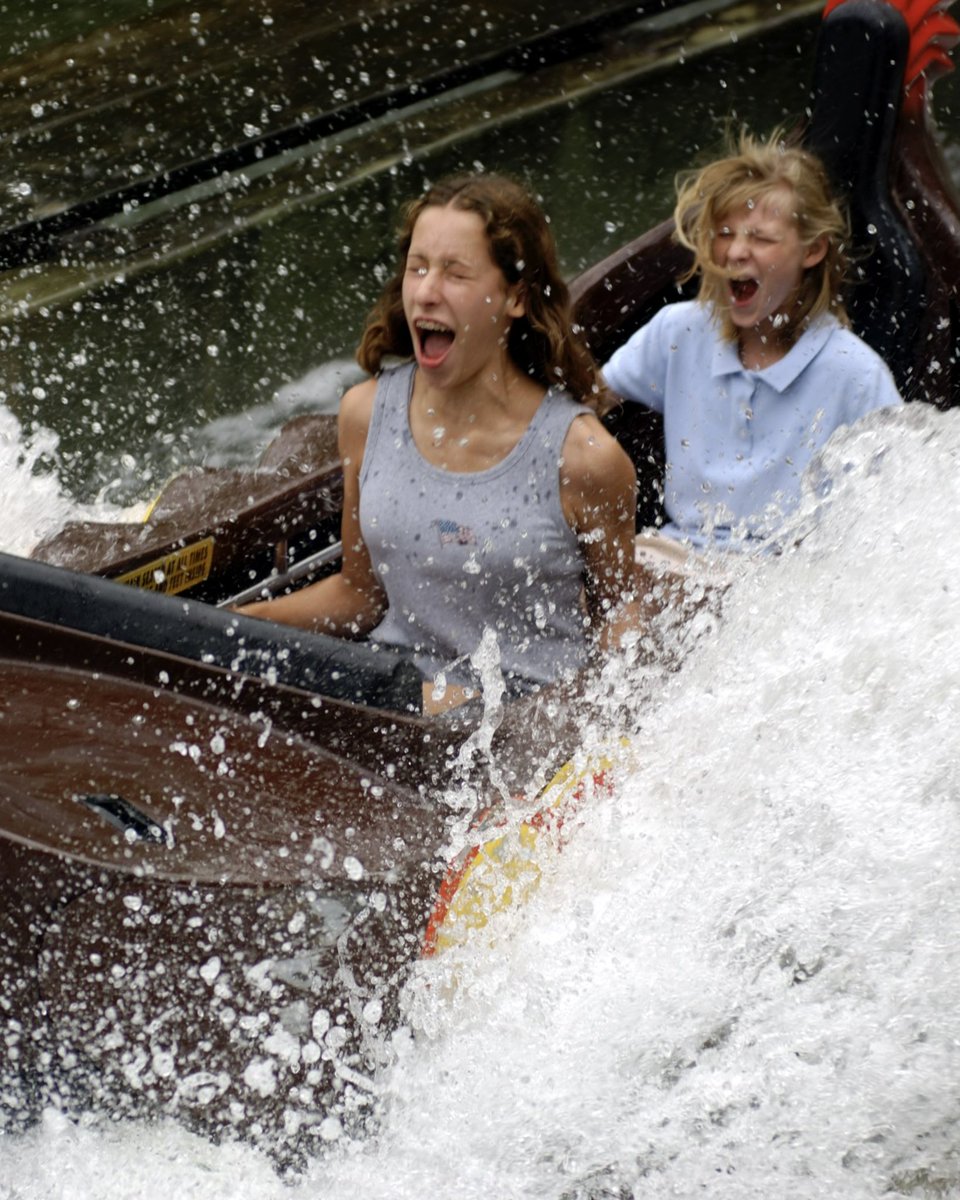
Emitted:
pixel 174 572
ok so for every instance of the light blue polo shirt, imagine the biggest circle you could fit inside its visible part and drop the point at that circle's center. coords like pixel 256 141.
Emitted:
pixel 738 441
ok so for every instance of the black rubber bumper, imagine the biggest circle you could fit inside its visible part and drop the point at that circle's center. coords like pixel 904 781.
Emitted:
pixel 353 671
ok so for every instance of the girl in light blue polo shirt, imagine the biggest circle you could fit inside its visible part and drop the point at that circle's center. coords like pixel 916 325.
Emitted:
pixel 754 375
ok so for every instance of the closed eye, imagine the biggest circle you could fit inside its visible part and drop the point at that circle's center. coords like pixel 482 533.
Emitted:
pixel 751 235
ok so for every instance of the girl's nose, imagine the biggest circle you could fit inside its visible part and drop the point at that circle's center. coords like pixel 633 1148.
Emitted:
pixel 738 247
pixel 426 284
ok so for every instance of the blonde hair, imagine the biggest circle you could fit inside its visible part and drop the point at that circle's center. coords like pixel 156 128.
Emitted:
pixel 751 170
pixel 543 342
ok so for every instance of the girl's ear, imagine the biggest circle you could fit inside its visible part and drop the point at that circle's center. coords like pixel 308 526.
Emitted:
pixel 516 301
pixel 815 252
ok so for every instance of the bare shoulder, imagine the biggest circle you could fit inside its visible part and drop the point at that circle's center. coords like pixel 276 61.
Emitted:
pixel 592 457
pixel 356 409
pixel 356 405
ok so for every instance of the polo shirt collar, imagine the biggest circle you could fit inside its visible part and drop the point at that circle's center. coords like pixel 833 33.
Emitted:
pixel 726 357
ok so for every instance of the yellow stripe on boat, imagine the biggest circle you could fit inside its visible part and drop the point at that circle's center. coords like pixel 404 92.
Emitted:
pixel 174 572
pixel 505 870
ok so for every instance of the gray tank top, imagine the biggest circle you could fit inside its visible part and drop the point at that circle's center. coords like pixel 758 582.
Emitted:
pixel 460 552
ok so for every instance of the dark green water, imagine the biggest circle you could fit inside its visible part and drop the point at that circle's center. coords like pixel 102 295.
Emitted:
pixel 29 25
pixel 184 364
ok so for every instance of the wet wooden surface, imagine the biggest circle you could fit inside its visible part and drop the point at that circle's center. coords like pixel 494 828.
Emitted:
pixel 145 96
pixel 79 120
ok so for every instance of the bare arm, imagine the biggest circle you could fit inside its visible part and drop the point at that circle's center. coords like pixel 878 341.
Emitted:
pixel 598 488
pixel 351 602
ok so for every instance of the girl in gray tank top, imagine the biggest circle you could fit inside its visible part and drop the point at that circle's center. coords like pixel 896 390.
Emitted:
pixel 479 495
pixel 458 553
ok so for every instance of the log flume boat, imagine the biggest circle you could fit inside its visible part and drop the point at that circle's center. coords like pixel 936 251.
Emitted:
pixel 221 845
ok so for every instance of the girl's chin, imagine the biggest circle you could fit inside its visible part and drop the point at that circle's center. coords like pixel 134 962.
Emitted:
pixel 765 323
pixel 742 319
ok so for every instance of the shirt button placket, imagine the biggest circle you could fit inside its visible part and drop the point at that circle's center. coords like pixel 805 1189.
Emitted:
pixel 744 397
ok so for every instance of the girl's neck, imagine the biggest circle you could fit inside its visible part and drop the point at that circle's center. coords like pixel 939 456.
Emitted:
pixel 759 349
pixel 467 430
pixel 500 390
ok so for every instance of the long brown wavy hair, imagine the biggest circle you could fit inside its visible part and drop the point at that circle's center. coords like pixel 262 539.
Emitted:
pixel 752 169
pixel 544 342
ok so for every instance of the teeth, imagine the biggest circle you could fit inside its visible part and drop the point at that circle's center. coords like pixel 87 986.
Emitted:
pixel 432 326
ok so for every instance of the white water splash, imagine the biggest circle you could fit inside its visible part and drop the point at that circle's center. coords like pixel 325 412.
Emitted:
pixel 33 503
pixel 739 978
pixel 238 439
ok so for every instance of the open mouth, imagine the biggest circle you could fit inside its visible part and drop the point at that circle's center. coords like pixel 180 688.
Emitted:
pixel 434 341
pixel 743 290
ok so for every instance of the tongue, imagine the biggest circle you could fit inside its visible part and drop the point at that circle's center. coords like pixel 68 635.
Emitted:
pixel 435 345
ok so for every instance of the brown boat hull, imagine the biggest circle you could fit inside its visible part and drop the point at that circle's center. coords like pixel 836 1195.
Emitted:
pixel 211 884
pixel 184 883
